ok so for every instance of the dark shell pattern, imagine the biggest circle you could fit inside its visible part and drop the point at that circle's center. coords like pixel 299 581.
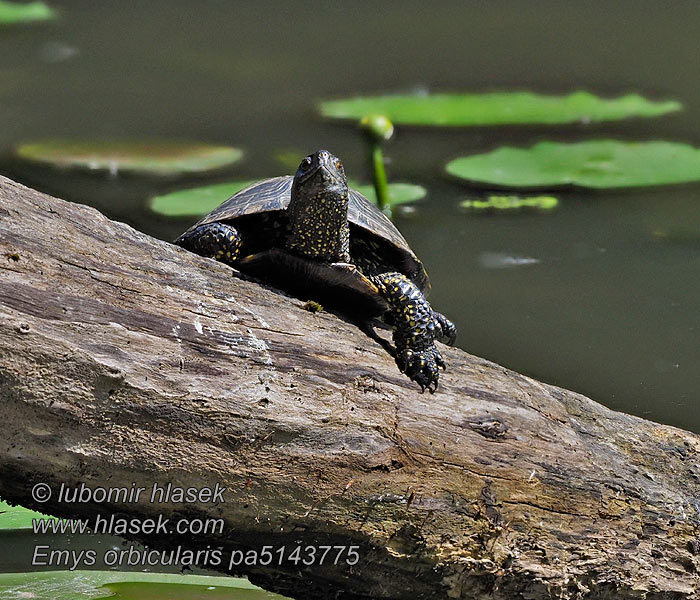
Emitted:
pixel 270 195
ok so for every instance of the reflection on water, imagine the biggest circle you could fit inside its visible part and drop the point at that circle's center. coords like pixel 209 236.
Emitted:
pixel 599 296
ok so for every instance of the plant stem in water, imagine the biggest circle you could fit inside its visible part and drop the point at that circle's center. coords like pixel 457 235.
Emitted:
pixel 380 183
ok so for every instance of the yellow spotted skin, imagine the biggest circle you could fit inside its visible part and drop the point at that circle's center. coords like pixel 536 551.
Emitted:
pixel 315 227
pixel 318 211
pixel 416 327
pixel 219 241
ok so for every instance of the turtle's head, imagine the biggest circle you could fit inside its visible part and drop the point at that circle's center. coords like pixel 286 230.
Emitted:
pixel 318 210
pixel 320 173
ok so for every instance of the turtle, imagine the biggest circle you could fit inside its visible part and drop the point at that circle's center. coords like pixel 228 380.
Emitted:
pixel 311 234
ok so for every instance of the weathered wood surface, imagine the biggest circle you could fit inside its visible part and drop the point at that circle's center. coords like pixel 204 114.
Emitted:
pixel 126 359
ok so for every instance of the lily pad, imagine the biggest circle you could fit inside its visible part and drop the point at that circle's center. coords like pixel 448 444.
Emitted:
pixel 399 193
pixel 89 585
pixel 197 201
pixel 24 12
pixel 592 164
pixel 136 156
pixel 499 108
pixel 511 203
pixel 17 517
pixel 289 158
pixel 193 202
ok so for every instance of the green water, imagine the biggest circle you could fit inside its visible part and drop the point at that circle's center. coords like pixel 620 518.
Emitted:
pixel 600 296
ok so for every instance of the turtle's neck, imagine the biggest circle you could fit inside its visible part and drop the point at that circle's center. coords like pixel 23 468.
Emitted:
pixel 319 227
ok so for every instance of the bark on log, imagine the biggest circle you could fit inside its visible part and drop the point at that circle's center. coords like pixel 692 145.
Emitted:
pixel 126 359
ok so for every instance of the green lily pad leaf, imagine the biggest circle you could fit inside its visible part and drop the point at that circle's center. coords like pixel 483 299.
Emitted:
pixel 511 203
pixel 501 108
pixel 399 193
pixel 197 201
pixel 17 517
pixel 592 164
pixel 90 585
pixel 24 12
pixel 136 156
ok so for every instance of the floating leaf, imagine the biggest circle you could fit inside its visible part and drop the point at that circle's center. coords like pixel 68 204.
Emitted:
pixel 511 203
pixel 196 201
pixel 24 12
pixel 399 193
pixel 17 517
pixel 150 157
pixel 505 108
pixel 89 585
pixel 593 164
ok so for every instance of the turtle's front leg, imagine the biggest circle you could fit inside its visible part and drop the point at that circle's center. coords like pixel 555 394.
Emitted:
pixel 213 240
pixel 416 326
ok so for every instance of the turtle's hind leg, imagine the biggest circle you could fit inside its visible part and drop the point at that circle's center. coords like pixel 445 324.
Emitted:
pixel 213 240
pixel 416 326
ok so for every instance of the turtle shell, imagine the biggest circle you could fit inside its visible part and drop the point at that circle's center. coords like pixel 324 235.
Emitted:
pixel 272 195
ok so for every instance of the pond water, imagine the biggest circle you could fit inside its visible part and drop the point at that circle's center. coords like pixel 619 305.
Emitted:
pixel 63 581
pixel 599 296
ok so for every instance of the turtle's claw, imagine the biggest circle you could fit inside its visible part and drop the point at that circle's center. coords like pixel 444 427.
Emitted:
pixel 431 387
pixel 422 367
pixel 447 327
pixel 440 363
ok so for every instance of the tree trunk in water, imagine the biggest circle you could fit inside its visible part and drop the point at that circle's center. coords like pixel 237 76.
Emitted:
pixel 126 360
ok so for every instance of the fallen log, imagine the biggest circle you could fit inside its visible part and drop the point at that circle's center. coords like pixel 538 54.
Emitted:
pixel 127 362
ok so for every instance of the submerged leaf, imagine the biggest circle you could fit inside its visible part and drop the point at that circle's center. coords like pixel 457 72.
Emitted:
pixel 501 108
pixel 594 164
pixel 136 156
pixel 511 203
pixel 289 158
pixel 502 260
pixel 24 12
pixel 197 201
pixel 399 193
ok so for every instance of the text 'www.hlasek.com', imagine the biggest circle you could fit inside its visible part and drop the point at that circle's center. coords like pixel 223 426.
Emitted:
pixel 294 553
